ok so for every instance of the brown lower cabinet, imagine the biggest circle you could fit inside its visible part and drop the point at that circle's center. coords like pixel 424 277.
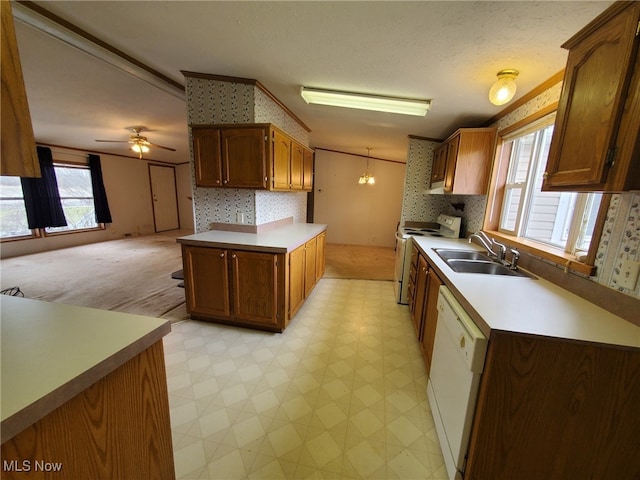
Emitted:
pixel 252 289
pixel 424 286
pixel 556 409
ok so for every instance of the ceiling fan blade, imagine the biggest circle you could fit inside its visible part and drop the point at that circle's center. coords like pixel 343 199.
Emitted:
pixel 113 141
pixel 160 146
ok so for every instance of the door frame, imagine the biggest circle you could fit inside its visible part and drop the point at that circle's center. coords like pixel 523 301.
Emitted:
pixel 175 190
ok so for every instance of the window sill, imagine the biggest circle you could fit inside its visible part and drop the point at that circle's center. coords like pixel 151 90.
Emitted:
pixel 547 252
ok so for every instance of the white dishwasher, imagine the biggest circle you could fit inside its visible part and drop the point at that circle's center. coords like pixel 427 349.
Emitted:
pixel 456 366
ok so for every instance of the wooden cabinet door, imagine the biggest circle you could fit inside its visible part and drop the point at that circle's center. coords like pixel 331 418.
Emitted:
pixel 295 170
pixel 206 155
pixel 597 76
pixel 310 252
pixel 18 155
pixel 281 156
pixel 307 170
pixel 255 287
pixel 244 157
pixel 420 295
pixel 439 164
pixel 296 280
pixel 320 257
pixel 430 316
pixel 206 281
pixel 452 160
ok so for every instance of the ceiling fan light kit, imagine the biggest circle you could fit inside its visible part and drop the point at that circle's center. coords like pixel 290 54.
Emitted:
pixel 139 144
pixel 504 89
pixel 363 101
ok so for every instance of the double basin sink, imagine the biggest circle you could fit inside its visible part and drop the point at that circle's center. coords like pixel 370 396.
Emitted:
pixel 472 261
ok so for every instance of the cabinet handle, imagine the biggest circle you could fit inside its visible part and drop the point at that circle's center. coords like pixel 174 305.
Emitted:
pixel 233 256
pixel 218 182
pixel 222 255
pixel 462 342
pixel 225 181
pixel 545 175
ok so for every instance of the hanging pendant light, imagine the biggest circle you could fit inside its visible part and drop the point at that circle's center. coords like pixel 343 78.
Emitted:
pixel 366 178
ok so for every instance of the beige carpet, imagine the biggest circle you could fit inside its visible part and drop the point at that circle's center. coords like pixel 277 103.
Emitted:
pixel 359 262
pixel 130 275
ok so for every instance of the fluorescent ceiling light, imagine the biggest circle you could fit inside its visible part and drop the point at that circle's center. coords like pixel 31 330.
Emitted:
pixel 363 101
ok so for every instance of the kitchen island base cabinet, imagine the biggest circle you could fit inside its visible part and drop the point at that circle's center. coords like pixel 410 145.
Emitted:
pixel 206 273
pixel 119 427
pixel 252 280
pixel 554 409
pixel 235 286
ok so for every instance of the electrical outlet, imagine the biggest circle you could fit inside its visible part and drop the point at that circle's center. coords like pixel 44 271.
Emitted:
pixel 629 272
pixel 239 217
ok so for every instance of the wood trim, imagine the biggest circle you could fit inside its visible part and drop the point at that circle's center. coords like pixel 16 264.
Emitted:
pixel 75 149
pixel 247 81
pixel 87 36
pixel 429 139
pixel 359 155
pixel 546 252
pixel 544 86
pixel 548 110
pixel 598 227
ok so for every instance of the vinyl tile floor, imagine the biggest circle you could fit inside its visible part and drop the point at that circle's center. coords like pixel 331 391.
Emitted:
pixel 341 394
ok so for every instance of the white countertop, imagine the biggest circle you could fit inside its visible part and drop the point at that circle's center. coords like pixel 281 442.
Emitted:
pixel 526 305
pixel 279 240
pixel 52 351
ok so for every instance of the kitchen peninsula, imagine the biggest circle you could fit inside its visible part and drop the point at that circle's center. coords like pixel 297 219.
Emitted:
pixel 254 280
pixel 84 393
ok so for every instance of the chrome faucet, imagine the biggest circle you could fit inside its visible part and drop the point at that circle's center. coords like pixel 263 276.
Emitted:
pixel 515 256
pixel 483 240
pixel 488 244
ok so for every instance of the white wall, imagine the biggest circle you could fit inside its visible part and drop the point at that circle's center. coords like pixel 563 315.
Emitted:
pixel 126 181
pixel 357 214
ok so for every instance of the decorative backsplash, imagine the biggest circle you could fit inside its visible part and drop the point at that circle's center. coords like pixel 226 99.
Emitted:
pixel 272 206
pixel 214 101
pixel 419 206
pixel 620 240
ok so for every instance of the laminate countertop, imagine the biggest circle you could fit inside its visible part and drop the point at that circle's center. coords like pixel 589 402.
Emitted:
pixel 528 305
pixel 279 240
pixel 52 351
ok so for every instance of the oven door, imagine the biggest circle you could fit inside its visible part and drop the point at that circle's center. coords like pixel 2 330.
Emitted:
pixel 401 243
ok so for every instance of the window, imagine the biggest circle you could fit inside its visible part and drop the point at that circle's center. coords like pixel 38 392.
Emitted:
pixel 13 216
pixel 560 219
pixel 76 195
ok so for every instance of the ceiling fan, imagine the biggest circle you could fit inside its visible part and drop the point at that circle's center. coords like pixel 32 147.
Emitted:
pixel 139 144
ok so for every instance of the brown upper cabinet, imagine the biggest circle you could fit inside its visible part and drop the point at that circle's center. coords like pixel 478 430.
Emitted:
pixel 463 163
pixel 257 156
pixel 18 155
pixel 596 139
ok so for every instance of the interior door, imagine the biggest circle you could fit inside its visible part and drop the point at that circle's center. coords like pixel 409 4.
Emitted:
pixel 165 197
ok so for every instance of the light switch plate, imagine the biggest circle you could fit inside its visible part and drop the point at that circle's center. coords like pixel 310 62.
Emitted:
pixel 629 272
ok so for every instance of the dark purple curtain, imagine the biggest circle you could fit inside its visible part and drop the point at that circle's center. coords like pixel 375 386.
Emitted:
pixel 41 195
pixel 103 214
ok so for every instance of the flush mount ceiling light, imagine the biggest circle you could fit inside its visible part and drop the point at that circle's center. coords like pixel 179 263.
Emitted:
pixel 363 101
pixel 504 89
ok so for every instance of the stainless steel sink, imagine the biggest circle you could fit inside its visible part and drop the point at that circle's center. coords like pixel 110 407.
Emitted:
pixel 471 261
pixel 446 254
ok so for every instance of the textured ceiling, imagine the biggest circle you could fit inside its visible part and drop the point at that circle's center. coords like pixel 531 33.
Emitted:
pixel 446 51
